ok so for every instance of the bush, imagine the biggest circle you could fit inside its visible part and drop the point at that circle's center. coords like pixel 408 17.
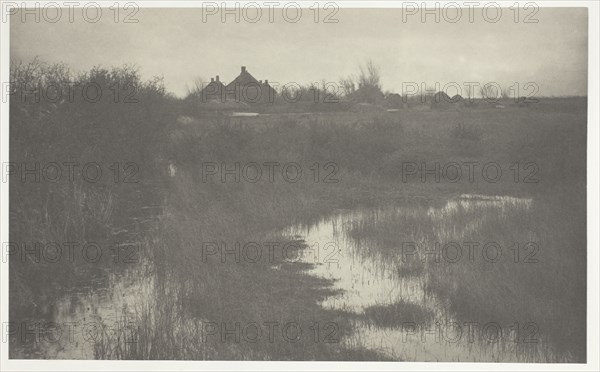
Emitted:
pixel 103 116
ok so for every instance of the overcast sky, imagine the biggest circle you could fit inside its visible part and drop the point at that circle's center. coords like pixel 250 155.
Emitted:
pixel 178 45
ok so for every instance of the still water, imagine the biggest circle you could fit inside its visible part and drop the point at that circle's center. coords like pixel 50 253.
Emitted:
pixel 366 278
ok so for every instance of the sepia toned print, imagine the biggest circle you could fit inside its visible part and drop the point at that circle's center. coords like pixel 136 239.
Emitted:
pixel 297 182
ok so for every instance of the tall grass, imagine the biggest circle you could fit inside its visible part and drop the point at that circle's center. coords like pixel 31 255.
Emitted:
pixel 544 285
pixel 368 150
pixel 53 122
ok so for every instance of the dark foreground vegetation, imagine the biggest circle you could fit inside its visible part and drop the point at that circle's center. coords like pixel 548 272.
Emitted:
pixel 170 208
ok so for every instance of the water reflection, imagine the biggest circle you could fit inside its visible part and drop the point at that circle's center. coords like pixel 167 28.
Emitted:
pixel 371 279
pixel 375 286
pixel 89 317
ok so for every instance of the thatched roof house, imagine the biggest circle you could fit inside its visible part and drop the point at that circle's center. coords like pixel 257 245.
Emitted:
pixel 245 88
pixel 214 91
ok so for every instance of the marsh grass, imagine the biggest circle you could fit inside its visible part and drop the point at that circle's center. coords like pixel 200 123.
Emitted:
pixel 170 216
pixel 538 285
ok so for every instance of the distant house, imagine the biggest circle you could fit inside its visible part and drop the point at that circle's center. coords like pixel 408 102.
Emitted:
pixel 214 91
pixel 243 89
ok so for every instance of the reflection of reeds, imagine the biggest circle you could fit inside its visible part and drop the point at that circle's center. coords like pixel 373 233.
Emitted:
pixel 516 288
pixel 396 314
pixel 188 293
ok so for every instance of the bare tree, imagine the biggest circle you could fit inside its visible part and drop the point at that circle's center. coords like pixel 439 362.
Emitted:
pixel 347 84
pixel 370 75
pixel 199 85
pixel 366 87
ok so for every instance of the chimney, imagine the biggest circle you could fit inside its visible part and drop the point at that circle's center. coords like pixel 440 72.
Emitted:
pixel 217 77
pixel 266 81
pixel 212 80
pixel 260 81
pixel 243 68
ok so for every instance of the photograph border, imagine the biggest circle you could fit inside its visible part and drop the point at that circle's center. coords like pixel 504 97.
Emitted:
pixel 593 231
